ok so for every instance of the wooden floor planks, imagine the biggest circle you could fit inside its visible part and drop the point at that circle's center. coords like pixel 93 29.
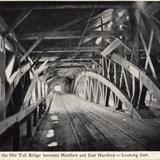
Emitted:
pixel 79 125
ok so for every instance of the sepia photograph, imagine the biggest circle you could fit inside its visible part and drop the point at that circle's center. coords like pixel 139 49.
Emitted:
pixel 79 77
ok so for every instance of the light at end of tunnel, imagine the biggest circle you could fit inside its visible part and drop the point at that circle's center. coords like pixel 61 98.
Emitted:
pixel 58 88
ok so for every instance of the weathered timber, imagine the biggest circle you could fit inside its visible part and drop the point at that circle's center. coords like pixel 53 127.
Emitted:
pixel 31 49
pixel 70 66
pixel 64 35
pixel 10 66
pixel 68 6
pixel 2 80
pixel 8 122
pixel 149 83
pixel 29 94
pixel 118 92
pixel 68 49
pixel 111 47
pixel 14 79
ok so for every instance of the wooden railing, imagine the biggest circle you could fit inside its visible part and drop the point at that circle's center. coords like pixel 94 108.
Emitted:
pixel 36 110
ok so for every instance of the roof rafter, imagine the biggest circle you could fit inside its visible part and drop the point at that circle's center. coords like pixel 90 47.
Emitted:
pixel 41 38
pixel 18 21
pixel 31 49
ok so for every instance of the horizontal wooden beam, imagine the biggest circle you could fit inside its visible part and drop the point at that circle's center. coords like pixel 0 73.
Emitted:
pixel 74 63
pixel 49 59
pixel 76 60
pixel 54 5
pixel 70 66
pixel 68 49
pixel 63 57
pixel 64 35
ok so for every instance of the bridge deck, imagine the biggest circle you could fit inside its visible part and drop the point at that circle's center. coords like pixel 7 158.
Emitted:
pixel 74 124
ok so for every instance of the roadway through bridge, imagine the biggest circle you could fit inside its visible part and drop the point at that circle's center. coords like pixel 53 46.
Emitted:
pixel 74 124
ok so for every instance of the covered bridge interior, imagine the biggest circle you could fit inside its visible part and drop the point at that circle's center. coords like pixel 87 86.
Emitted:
pixel 79 76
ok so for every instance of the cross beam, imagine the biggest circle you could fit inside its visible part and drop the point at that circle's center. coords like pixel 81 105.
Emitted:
pixel 69 49
pixel 64 35
pixel 71 66
pixel 43 6
pixel 41 38
pixel 31 49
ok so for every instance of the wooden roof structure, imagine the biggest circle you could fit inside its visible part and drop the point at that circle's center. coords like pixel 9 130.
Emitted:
pixel 49 32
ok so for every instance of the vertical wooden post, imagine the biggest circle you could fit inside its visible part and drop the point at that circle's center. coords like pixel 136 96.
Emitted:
pixel 107 89
pixel 43 94
pixel 94 83
pixel 135 96
pixel 46 93
pixel 138 27
pixel 16 136
pixel 91 91
pixel 2 79
pixel 86 88
pixel 141 98
pixel 119 105
pixel 43 89
pixel 29 126
pixel 97 92
pixel 72 86
pixel 40 111
pixel 39 89
pixel 135 20
pixel 44 107
pixel 108 96
pixel 35 117
pixel 34 94
pixel 39 97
